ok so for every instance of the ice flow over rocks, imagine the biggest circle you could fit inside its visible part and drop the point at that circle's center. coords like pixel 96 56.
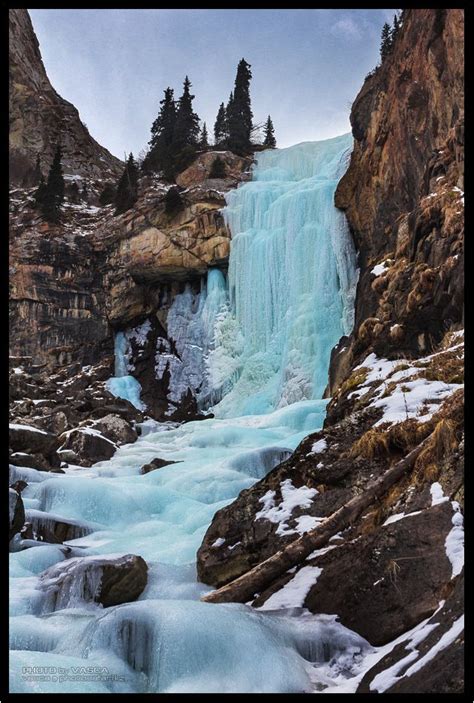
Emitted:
pixel 255 347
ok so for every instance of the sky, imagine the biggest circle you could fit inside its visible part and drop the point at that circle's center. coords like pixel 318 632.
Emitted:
pixel 113 65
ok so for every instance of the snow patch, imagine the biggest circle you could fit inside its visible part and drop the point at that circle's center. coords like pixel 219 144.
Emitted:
pixel 437 495
pixel 293 593
pixel 319 447
pixel 291 498
pixel 454 543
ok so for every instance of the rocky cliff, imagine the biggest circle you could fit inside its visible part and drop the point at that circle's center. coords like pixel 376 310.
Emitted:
pixel 40 118
pixel 403 191
pixel 392 563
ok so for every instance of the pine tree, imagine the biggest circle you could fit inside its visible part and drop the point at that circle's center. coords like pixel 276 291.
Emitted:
pixel 33 175
pixel 396 27
pixel 269 140
pixel 218 169
pixel 127 188
pixel 385 41
pixel 220 126
pixel 204 139
pixel 49 197
pixel 186 131
pixel 160 156
pixel 239 113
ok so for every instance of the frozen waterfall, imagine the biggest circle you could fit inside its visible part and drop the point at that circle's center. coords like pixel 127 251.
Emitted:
pixel 292 276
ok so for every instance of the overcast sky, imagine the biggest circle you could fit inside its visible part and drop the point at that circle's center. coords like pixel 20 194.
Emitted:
pixel 113 65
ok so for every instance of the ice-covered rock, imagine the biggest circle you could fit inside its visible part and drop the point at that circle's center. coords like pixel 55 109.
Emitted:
pixel 109 580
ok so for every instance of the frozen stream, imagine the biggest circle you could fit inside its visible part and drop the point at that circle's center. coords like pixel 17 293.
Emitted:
pixel 265 337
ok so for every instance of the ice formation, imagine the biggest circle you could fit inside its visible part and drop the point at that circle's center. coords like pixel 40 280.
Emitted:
pixel 123 384
pixel 255 348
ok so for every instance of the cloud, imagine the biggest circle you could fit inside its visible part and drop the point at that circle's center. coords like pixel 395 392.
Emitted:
pixel 347 28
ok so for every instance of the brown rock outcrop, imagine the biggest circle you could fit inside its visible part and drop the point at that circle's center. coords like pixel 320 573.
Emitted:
pixel 402 193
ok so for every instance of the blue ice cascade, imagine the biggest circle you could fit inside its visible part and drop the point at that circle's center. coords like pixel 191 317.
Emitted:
pixel 292 280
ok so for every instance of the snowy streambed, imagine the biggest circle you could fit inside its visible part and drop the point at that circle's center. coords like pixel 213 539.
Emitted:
pixel 168 641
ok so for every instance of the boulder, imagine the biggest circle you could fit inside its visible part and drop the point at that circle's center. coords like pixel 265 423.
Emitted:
pixel 19 485
pixel 16 512
pixel 101 579
pixel 201 167
pixel 116 428
pixel 24 438
pixel 68 456
pixel 88 444
pixel 32 461
pixel 54 422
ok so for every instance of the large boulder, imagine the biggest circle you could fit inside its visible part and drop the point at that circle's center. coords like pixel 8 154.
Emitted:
pixel 16 512
pixel 88 444
pixel 32 461
pixel 106 580
pixel 116 428
pixel 24 438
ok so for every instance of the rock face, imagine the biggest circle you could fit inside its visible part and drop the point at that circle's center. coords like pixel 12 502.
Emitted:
pixel 105 580
pixel 402 193
pixel 73 285
pixel 56 296
pixel 443 673
pixel 40 118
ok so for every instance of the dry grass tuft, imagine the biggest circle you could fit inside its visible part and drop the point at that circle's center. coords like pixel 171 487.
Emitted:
pixel 442 442
pixel 406 435
pixel 367 329
pixel 373 443
pixel 447 367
